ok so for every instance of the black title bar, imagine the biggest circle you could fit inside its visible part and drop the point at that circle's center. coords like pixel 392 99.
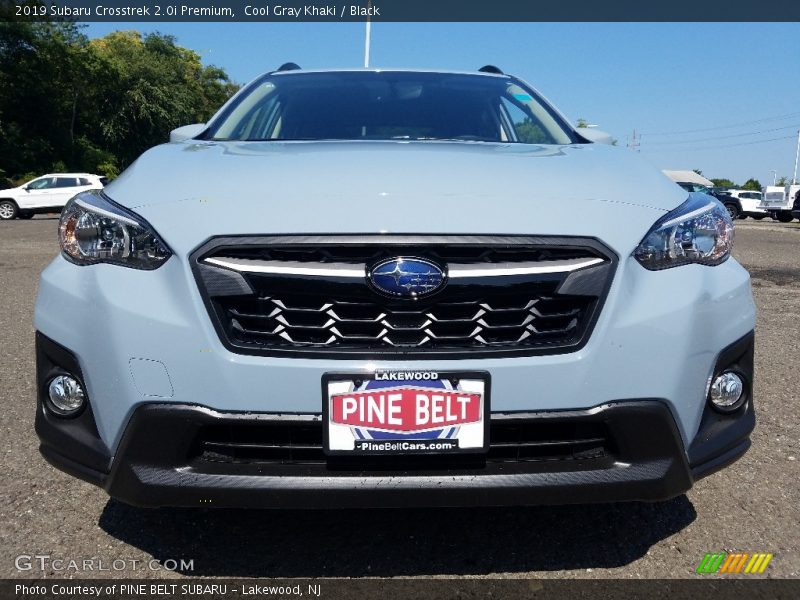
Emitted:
pixel 404 10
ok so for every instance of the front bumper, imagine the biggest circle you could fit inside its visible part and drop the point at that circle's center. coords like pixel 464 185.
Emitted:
pixel 188 455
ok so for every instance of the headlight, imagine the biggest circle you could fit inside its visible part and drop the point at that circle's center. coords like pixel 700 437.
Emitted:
pixel 698 231
pixel 93 229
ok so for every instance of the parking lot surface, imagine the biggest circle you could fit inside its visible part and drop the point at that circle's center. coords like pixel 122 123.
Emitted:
pixel 751 506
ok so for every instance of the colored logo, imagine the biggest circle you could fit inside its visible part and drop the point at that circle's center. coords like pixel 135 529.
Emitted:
pixel 738 562
pixel 406 277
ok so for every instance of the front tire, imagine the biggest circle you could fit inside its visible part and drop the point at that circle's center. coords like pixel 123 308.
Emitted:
pixel 785 217
pixel 8 210
pixel 733 211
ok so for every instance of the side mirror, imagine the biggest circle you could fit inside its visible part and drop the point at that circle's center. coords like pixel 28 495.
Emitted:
pixel 186 132
pixel 596 136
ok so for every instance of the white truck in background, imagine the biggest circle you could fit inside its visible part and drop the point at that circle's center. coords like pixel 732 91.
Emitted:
pixel 778 201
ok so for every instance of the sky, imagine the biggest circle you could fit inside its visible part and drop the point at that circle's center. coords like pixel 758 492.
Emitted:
pixel 722 98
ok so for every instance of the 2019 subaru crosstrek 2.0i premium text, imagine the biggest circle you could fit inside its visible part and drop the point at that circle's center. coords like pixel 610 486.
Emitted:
pixel 392 288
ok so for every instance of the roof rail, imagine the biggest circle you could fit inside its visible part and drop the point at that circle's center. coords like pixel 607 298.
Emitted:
pixel 490 69
pixel 290 66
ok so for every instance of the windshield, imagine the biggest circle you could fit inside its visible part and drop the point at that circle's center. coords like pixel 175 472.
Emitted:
pixel 389 106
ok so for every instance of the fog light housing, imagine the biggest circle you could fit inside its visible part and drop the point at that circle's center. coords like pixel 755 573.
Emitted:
pixel 66 396
pixel 727 392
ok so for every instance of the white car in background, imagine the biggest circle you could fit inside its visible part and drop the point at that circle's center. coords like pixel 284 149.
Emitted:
pixel 750 202
pixel 48 193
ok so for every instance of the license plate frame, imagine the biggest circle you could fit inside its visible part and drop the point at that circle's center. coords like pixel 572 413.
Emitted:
pixel 466 434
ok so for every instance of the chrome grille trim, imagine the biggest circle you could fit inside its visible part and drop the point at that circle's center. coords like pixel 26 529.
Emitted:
pixel 346 270
pixel 290 268
pixel 456 271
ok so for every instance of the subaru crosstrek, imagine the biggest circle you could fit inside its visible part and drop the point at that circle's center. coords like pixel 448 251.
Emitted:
pixel 392 288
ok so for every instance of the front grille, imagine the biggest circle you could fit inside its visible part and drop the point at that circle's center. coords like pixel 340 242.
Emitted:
pixel 279 297
pixel 511 440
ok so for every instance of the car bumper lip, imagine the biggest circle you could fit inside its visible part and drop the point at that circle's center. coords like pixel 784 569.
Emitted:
pixel 159 464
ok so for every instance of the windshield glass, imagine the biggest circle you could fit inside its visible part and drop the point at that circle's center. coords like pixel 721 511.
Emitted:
pixel 389 106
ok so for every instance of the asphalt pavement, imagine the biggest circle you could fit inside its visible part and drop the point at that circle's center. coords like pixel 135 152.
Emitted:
pixel 751 506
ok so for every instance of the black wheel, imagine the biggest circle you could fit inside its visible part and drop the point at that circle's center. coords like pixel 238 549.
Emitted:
pixel 8 210
pixel 785 217
pixel 24 215
pixel 733 211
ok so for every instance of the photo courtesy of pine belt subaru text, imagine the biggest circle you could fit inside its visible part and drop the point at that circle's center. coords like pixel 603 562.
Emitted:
pixel 370 288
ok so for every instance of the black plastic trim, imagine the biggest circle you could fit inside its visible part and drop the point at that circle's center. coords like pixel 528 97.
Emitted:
pixel 723 438
pixel 71 444
pixel 154 467
pixel 216 244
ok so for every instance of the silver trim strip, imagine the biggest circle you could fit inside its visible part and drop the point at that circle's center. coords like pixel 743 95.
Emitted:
pixel 273 267
pixel 455 270
pixel 459 271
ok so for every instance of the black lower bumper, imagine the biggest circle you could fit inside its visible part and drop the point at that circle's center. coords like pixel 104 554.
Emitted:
pixel 187 455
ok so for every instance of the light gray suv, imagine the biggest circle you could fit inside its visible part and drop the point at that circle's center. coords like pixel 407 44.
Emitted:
pixel 392 288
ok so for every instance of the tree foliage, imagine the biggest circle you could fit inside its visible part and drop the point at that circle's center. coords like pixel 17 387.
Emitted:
pixel 69 103
pixel 723 183
pixel 752 184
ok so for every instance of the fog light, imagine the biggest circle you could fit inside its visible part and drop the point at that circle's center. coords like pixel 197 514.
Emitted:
pixel 66 395
pixel 727 392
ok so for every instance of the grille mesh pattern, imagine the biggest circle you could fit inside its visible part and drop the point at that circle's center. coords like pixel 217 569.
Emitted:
pixel 494 319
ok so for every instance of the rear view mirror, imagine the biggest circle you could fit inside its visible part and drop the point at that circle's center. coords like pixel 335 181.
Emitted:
pixel 186 132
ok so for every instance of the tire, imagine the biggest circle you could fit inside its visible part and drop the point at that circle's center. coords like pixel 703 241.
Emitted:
pixel 8 210
pixel 733 211
pixel 784 217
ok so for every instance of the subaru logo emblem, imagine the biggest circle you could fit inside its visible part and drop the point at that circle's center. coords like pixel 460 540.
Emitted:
pixel 406 277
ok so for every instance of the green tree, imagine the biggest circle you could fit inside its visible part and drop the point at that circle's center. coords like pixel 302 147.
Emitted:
pixel 147 86
pixel 70 103
pixel 723 183
pixel 42 82
pixel 752 184
pixel 782 181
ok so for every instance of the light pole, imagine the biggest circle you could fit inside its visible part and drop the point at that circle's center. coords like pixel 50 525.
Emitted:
pixel 774 176
pixel 367 36
pixel 796 155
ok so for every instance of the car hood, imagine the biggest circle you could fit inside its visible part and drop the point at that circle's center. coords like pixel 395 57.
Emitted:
pixel 194 190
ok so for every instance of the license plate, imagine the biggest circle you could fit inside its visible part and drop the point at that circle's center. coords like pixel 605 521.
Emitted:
pixel 405 412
